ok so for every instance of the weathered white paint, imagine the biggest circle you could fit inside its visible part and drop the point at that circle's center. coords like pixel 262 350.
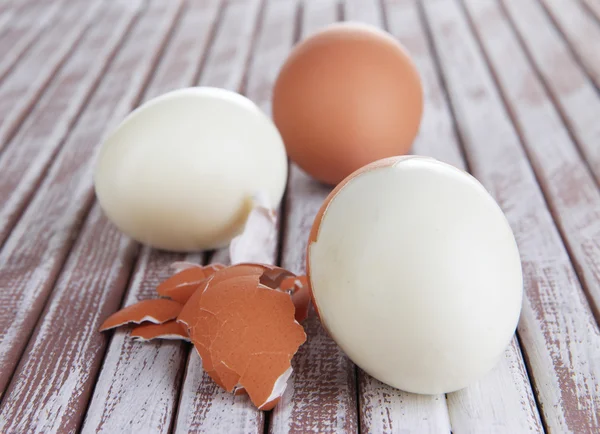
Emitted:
pixel 131 368
pixel 58 369
pixel 24 85
pixel 558 334
pixel 22 24
pixel 581 30
pixel 25 159
pixel 572 90
pixel 35 252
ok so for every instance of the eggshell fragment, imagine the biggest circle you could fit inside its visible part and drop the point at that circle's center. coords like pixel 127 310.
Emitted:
pixel 179 172
pixel 245 331
pixel 415 273
pixel 259 234
pixel 182 285
pixel 301 298
pixel 170 330
pixel 156 311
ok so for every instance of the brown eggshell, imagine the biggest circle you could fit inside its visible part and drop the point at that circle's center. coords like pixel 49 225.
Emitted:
pixel 244 332
pixel 301 299
pixel 182 285
pixel 156 311
pixel 171 330
pixel 347 96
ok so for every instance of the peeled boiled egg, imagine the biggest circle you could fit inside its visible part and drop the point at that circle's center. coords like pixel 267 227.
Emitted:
pixel 347 96
pixel 180 172
pixel 415 273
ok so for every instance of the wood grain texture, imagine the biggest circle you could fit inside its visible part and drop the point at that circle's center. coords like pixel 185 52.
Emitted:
pixel 22 88
pixel 204 407
pixel 559 337
pixel 593 6
pixel 22 28
pixel 35 252
pixel 27 157
pixel 321 393
pixel 50 388
pixel 571 192
pixel 231 49
pixel 131 368
pixel 571 89
pixel 581 30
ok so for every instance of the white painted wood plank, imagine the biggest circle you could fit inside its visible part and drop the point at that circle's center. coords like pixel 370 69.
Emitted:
pixel 477 408
pixel 55 377
pixel 205 407
pixel 593 6
pixel 25 160
pixel 23 86
pixel 364 11
pixel 23 27
pixel 321 393
pixel 559 337
pixel 228 57
pixel 570 189
pixel 35 252
pixel 576 97
pixel 581 30
pixel 132 368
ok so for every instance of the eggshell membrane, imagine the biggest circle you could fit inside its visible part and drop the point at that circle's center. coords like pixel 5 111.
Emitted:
pixel 156 311
pixel 244 331
pixel 170 330
pixel 301 299
pixel 425 290
pixel 347 96
pixel 179 172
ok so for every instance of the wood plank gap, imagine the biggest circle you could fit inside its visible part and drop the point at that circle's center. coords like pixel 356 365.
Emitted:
pixel 35 253
pixel 593 6
pixel 27 159
pixel 560 337
pixel 19 36
pixel 131 368
pixel 581 31
pixel 505 415
pixel 569 187
pixel 571 90
pixel 50 387
pixel 23 88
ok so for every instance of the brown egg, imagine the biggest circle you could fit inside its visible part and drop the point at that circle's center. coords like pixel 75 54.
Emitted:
pixel 346 96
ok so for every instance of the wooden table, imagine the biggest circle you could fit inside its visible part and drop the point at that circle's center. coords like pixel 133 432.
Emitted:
pixel 511 95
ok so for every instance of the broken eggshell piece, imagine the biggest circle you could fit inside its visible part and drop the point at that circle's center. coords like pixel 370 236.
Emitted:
pixel 245 331
pixel 423 255
pixel 156 311
pixel 170 330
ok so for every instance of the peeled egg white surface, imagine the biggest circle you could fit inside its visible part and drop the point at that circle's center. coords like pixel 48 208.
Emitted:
pixel 417 276
pixel 179 173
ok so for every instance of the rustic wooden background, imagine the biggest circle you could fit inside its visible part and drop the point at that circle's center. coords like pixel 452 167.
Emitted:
pixel 512 95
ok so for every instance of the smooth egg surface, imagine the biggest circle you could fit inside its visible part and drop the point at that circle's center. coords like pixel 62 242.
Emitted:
pixel 346 96
pixel 416 274
pixel 179 173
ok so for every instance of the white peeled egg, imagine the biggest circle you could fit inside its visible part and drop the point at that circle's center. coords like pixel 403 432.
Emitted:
pixel 416 274
pixel 180 172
